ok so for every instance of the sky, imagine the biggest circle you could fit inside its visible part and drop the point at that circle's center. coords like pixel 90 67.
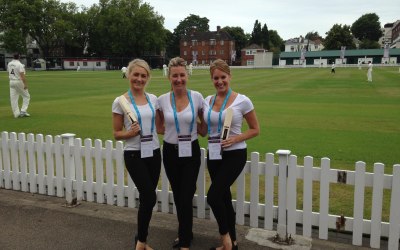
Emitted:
pixel 289 18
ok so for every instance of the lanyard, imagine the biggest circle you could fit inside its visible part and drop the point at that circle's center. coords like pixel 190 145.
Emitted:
pixel 175 113
pixel 220 112
pixel 138 113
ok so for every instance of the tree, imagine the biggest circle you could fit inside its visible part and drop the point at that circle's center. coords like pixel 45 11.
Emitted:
pixel 367 27
pixel 238 34
pixel 265 37
pixel 125 28
pixel 276 42
pixel 337 37
pixel 313 35
pixel 256 34
pixel 189 24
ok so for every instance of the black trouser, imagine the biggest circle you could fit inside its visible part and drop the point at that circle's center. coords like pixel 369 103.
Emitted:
pixel 145 173
pixel 223 174
pixel 182 174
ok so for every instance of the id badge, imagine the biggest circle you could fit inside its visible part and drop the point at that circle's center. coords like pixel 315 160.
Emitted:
pixel 185 145
pixel 214 148
pixel 146 146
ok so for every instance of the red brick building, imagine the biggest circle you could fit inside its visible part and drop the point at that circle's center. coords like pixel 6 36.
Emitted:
pixel 201 48
pixel 248 54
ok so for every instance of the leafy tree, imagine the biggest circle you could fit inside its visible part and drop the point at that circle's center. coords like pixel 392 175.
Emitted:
pixel 13 41
pixel 125 27
pixel 276 42
pixel 238 34
pixel 189 24
pixel 367 27
pixel 256 34
pixel 46 22
pixel 368 44
pixel 339 36
pixel 265 37
pixel 313 35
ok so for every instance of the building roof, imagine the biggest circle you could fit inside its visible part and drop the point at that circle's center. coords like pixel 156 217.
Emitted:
pixel 253 46
pixel 336 53
pixel 202 36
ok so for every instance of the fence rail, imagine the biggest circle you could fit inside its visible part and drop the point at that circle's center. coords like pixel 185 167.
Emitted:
pixel 65 166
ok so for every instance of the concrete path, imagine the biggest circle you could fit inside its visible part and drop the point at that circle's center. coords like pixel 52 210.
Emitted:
pixel 33 221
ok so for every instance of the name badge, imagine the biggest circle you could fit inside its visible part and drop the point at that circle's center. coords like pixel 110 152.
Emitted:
pixel 146 146
pixel 185 145
pixel 214 148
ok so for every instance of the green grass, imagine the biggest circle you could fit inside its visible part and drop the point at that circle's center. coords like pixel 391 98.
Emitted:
pixel 307 110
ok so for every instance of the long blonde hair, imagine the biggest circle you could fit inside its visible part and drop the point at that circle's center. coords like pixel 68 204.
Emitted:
pixel 220 65
pixel 139 63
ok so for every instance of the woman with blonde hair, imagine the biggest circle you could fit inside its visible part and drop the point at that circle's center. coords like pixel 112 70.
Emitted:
pixel 142 149
pixel 226 157
pixel 178 112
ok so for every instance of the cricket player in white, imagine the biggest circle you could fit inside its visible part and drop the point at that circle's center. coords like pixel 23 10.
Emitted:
pixel 18 87
pixel 369 72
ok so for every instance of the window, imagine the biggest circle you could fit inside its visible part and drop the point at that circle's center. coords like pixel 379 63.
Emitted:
pixel 184 43
pixel 203 52
pixel 203 43
pixel 71 64
pixel 248 52
pixel 222 42
pixel 212 52
pixel 212 41
pixel 98 64
pixel 250 62
pixel 221 52
pixel 194 42
pixel 84 63
pixel 184 53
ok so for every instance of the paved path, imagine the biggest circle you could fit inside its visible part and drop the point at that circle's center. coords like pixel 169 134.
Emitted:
pixel 33 221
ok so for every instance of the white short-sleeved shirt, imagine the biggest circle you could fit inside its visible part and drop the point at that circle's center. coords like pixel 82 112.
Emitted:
pixel 184 116
pixel 240 106
pixel 133 143
pixel 15 68
pixel 370 66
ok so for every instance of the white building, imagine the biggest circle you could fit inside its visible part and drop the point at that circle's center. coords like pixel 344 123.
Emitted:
pixel 300 43
pixel 85 64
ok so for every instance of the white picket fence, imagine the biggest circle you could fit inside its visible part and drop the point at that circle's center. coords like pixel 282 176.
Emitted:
pixel 64 166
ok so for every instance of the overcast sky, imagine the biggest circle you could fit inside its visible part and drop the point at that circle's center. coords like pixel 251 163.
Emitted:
pixel 289 18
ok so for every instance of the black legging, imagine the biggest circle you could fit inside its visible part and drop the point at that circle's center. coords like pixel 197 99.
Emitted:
pixel 182 174
pixel 144 173
pixel 223 174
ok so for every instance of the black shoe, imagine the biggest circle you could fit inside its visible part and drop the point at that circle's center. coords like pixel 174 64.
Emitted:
pixel 175 243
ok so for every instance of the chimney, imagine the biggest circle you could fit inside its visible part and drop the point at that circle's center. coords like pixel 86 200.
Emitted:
pixel 218 28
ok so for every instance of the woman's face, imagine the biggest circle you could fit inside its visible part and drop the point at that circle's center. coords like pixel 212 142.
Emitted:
pixel 138 78
pixel 221 80
pixel 178 78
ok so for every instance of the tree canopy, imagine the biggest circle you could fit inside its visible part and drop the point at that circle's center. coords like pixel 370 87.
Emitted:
pixel 339 36
pixel 189 24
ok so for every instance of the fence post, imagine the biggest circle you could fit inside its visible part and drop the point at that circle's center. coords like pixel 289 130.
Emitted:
pixel 70 194
pixel 282 192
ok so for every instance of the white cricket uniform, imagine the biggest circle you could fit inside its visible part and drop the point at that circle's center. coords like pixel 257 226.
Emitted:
pixel 369 73
pixel 184 116
pixel 15 68
pixel 240 107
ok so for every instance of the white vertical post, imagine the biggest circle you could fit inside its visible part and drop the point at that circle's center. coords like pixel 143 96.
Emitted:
pixel 282 192
pixel 68 142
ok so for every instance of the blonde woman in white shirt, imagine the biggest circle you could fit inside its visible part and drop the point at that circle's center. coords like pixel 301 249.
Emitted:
pixel 178 111
pixel 226 158
pixel 142 149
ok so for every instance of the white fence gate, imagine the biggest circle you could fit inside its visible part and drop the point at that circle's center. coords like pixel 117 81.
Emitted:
pixel 67 167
